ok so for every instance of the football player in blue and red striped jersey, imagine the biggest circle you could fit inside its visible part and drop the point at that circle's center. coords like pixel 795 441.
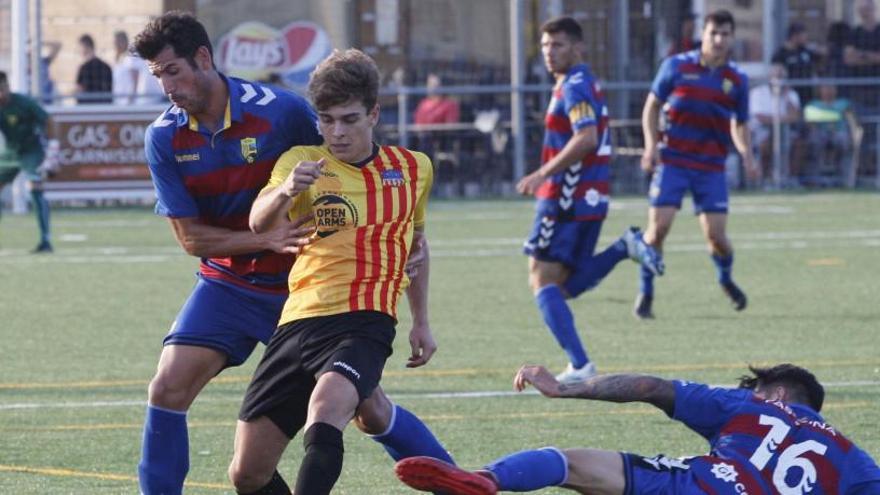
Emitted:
pixel 209 155
pixel 765 437
pixel 572 191
pixel 705 98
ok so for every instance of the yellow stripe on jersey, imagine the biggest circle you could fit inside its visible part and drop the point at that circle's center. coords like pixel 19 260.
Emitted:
pixel 364 219
pixel 581 111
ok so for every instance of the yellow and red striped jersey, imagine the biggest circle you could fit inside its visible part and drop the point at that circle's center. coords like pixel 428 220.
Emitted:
pixel 365 218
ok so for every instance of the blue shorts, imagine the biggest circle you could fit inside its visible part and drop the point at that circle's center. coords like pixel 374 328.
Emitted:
pixel 570 243
pixel 227 318
pixel 709 189
pixel 658 475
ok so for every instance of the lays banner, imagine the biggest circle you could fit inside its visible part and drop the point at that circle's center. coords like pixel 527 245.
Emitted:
pixel 252 50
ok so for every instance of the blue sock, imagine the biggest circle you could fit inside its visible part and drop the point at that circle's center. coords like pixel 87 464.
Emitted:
pixel 165 453
pixel 407 436
pixel 647 282
pixel 41 208
pixel 724 267
pixel 560 321
pixel 598 267
pixel 530 470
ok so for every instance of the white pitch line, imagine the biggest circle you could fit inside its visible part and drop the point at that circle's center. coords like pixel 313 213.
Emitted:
pixel 409 396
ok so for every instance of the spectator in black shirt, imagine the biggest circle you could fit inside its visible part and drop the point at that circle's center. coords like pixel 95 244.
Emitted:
pixel 838 36
pixel 800 61
pixel 94 81
pixel 862 56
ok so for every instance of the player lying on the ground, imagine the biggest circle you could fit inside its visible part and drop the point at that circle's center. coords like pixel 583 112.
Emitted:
pixel 765 437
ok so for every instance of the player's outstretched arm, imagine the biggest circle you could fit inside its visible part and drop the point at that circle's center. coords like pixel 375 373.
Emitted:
pixel 610 388
pixel 271 206
pixel 421 339
pixel 207 241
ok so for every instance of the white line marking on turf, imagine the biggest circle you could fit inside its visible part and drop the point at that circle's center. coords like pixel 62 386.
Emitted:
pixel 424 395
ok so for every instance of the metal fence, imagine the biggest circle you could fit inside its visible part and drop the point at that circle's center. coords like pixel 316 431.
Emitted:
pixel 475 157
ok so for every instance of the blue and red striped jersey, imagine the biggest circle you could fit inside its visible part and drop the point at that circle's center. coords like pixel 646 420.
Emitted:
pixel 215 177
pixel 769 447
pixel 700 102
pixel 579 192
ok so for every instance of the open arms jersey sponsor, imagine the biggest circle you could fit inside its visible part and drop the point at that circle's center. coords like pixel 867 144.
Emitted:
pixel 767 447
pixel 365 216
pixel 579 192
pixel 699 102
pixel 215 177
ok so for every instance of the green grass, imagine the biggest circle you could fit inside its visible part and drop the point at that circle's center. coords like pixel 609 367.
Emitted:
pixel 84 326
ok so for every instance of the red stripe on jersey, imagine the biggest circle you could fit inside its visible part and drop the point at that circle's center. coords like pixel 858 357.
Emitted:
pixel 549 190
pixel 557 123
pixel 685 163
pixel 387 207
pixel 691 68
pixel 213 273
pixel 375 257
pixel 705 94
pixel 230 179
pixel 407 210
pixel 706 147
pixel 360 238
pixel 250 126
pixel 698 121
pixel 827 474
pixel 186 138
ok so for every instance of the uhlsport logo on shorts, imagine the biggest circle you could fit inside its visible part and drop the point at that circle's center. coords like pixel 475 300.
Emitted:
pixel 347 367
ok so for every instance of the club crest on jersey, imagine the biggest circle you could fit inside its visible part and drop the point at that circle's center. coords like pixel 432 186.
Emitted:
pixel 249 149
pixel 392 178
pixel 726 85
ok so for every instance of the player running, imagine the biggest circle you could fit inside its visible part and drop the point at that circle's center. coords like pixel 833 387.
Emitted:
pixel 571 188
pixel 766 438
pixel 701 92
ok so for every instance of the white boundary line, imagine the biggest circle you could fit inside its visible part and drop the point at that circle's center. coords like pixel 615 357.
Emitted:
pixel 409 396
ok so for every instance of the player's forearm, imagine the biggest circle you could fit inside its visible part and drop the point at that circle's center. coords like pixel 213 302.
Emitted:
pixel 624 388
pixel 650 122
pixel 742 139
pixel 205 241
pixel 417 292
pixel 268 209
pixel 575 150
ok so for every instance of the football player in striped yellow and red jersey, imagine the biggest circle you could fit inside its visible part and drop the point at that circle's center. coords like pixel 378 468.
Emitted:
pixel 322 366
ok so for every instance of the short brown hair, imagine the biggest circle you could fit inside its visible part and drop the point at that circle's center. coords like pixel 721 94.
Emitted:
pixel 565 24
pixel 344 76
pixel 179 30
pixel 720 17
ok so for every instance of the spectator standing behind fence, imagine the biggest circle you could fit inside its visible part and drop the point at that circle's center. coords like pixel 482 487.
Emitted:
pixel 126 71
pixel 436 108
pixel 861 55
pixel 800 61
pixel 834 134
pixel 47 56
pixel 766 102
pixel 684 40
pixel 836 40
pixel 94 80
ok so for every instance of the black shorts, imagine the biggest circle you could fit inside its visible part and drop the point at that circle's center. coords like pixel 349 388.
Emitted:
pixel 355 345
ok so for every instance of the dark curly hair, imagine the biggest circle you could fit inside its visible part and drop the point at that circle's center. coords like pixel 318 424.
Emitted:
pixel 803 385
pixel 179 30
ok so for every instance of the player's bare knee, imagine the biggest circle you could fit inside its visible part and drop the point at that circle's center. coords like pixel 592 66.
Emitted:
pixel 594 471
pixel 374 414
pixel 169 393
pixel 246 478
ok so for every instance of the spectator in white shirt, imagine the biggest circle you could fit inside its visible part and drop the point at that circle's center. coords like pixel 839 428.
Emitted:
pixel 767 102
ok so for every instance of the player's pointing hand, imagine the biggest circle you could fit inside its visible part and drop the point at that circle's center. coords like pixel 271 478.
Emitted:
pixel 304 175
pixel 290 237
